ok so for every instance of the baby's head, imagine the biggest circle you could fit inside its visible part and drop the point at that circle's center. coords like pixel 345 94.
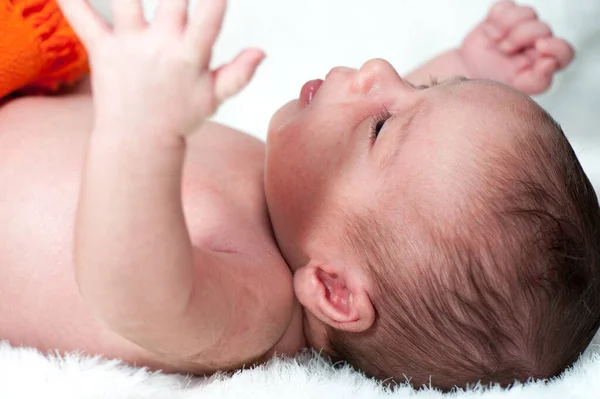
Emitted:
pixel 445 231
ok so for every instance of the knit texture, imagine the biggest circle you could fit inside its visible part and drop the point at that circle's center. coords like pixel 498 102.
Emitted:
pixel 39 52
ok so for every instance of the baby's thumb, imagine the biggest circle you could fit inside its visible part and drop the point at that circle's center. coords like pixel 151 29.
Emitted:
pixel 231 78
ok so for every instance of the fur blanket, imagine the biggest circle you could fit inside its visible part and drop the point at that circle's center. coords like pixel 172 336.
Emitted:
pixel 26 373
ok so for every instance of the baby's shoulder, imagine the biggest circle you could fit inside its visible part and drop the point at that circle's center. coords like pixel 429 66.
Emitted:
pixel 223 189
pixel 233 143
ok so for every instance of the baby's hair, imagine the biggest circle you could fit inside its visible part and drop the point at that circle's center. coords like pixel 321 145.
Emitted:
pixel 511 293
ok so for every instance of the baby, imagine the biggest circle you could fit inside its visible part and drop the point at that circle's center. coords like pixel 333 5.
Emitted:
pixel 443 233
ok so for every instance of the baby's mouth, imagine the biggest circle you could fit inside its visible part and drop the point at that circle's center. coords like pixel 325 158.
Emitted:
pixel 309 90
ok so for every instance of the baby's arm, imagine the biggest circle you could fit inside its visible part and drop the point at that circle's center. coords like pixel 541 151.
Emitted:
pixel 511 46
pixel 136 267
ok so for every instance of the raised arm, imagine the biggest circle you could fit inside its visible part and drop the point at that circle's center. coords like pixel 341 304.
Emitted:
pixel 152 88
pixel 511 45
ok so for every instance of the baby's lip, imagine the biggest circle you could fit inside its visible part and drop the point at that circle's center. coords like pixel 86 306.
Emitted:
pixel 309 90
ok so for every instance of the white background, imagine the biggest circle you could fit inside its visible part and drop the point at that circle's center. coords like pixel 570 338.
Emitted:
pixel 305 38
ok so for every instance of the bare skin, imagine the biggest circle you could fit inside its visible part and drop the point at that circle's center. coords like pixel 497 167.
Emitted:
pixel 38 212
pixel 44 143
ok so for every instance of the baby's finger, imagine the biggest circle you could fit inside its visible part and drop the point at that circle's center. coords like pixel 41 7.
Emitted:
pixel 497 9
pixel 521 62
pixel 127 15
pixel 560 49
pixel 172 15
pixel 88 25
pixel 547 66
pixel 542 74
pixel 534 80
pixel 204 27
pixel 231 78
pixel 500 8
pixel 507 20
pixel 524 35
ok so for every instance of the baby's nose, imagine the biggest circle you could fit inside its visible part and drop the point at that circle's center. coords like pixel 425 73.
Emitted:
pixel 377 72
pixel 340 71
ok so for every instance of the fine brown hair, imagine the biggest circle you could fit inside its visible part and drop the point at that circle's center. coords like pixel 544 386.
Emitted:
pixel 510 294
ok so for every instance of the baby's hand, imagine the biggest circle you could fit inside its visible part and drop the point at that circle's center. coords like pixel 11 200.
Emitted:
pixel 155 78
pixel 514 47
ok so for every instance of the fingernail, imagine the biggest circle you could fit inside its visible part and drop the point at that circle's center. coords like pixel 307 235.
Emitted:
pixel 492 31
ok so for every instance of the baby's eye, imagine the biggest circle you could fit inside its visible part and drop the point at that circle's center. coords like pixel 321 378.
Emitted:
pixel 378 123
pixel 378 127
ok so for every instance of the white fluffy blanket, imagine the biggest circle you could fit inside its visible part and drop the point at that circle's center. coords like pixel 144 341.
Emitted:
pixel 304 39
pixel 25 373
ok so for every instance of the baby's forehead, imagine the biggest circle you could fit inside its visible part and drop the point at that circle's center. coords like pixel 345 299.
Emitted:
pixel 463 132
pixel 484 95
pixel 482 110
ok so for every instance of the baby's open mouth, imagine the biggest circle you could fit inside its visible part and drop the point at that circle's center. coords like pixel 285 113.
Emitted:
pixel 309 90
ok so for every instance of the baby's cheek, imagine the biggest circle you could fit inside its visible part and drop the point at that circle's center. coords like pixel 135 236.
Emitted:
pixel 282 117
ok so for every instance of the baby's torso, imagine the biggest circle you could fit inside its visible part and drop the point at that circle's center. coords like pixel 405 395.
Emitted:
pixel 42 148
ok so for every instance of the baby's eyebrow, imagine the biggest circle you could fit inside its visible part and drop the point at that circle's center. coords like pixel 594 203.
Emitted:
pixel 457 79
pixel 434 82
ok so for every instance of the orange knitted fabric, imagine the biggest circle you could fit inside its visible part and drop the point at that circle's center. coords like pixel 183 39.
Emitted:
pixel 39 52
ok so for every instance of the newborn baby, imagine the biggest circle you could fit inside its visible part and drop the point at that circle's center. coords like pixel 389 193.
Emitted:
pixel 441 232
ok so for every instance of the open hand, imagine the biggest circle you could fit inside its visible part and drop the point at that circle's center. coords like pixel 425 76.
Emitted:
pixel 156 77
pixel 514 47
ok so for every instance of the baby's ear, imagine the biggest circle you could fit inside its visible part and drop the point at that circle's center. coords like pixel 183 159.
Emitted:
pixel 334 296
